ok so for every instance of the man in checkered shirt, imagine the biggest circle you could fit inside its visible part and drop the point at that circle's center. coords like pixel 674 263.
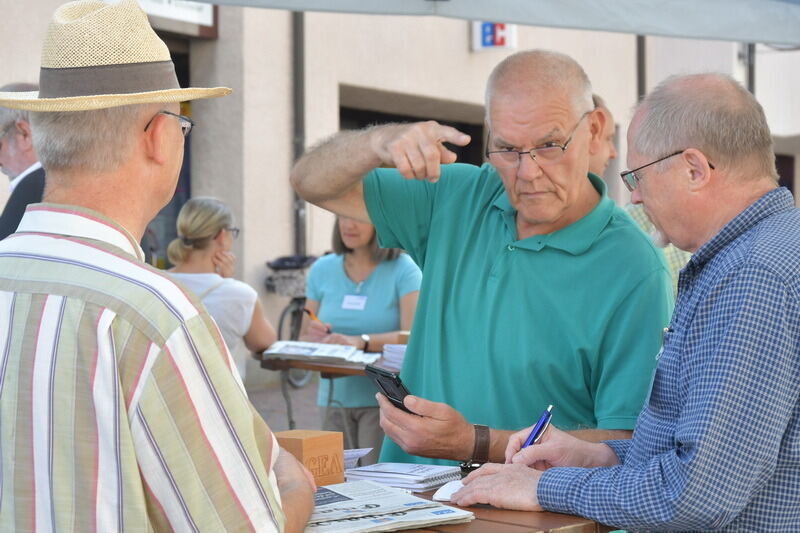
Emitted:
pixel 717 444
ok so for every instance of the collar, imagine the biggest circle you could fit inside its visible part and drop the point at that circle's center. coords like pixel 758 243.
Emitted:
pixel 776 201
pixel 74 221
pixel 13 183
pixel 575 238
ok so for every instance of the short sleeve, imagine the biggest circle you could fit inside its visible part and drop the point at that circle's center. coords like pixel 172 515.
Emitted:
pixel 628 353
pixel 313 290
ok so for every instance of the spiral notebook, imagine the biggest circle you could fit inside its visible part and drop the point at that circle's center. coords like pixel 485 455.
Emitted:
pixel 414 477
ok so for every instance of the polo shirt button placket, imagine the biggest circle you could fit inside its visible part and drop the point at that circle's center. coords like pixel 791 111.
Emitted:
pixel 511 247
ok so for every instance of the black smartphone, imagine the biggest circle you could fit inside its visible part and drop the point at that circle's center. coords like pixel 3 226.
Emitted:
pixel 389 384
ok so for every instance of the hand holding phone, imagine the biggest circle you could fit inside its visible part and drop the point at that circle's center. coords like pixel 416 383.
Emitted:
pixel 389 384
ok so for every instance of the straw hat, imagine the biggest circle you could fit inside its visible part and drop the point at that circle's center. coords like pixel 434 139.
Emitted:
pixel 98 55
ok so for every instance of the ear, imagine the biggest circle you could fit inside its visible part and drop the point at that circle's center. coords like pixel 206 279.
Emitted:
pixel 24 138
pixel 699 169
pixel 156 139
pixel 597 124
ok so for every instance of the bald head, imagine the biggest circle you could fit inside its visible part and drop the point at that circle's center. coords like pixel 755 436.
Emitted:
pixel 538 73
pixel 712 113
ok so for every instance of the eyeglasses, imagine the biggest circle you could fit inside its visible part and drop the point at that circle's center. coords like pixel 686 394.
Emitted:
pixel 631 180
pixel 546 154
pixel 233 231
pixel 186 123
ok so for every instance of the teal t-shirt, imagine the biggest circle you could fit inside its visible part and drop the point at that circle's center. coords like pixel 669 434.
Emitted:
pixel 505 327
pixel 328 284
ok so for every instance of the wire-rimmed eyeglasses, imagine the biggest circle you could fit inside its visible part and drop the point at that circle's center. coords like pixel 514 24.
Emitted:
pixel 631 180
pixel 186 123
pixel 548 153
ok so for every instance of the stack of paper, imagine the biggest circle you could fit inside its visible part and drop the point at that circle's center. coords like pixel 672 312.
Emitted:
pixel 418 478
pixel 363 506
pixel 393 355
pixel 319 353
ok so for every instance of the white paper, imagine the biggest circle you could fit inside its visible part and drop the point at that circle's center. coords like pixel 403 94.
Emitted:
pixel 447 490
pixel 351 457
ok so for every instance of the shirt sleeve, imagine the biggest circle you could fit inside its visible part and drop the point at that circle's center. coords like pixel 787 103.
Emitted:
pixel 743 372
pixel 313 290
pixel 204 453
pixel 627 356
pixel 409 276
pixel 401 210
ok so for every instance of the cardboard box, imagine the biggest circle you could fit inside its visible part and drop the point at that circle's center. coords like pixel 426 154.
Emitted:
pixel 322 452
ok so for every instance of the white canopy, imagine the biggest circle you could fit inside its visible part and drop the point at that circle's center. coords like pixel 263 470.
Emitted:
pixel 755 21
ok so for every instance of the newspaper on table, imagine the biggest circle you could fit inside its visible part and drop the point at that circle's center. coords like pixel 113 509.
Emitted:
pixel 319 353
pixel 364 506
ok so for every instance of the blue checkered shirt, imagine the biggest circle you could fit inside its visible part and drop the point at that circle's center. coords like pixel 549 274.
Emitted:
pixel 717 445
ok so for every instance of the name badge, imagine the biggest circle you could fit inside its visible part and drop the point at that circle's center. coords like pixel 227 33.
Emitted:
pixel 354 302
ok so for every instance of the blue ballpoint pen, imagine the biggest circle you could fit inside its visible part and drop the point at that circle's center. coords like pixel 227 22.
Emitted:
pixel 540 427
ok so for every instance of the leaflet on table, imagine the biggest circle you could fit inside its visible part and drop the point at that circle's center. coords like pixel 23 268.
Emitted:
pixel 364 506
pixel 351 457
pixel 417 477
pixel 316 351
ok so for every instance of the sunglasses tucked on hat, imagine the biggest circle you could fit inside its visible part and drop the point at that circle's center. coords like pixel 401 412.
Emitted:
pixel 98 55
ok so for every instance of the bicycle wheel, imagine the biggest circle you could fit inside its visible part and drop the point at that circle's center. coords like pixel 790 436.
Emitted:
pixel 299 378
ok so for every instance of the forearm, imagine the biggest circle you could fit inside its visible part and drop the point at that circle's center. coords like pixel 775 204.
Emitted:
pixel 600 435
pixel 297 502
pixel 335 167
pixel 498 440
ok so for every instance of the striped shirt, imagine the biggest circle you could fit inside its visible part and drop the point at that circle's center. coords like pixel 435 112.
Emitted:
pixel 119 409
pixel 717 446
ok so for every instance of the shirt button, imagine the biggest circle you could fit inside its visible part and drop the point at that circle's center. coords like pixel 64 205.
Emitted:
pixel 511 248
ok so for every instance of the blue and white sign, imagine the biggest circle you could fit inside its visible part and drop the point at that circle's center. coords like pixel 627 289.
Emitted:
pixel 493 35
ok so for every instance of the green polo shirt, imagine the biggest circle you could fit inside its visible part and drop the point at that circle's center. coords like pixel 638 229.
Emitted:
pixel 505 327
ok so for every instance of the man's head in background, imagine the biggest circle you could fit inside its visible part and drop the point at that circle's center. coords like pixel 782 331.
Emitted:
pixel 605 151
pixel 16 142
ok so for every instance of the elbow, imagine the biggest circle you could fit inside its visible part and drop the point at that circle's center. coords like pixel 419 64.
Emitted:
pixel 298 181
pixel 712 515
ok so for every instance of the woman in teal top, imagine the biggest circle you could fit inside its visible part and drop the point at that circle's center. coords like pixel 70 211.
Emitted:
pixel 364 296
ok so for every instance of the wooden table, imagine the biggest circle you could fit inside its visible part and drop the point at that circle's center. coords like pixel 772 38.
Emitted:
pixel 327 370
pixel 489 519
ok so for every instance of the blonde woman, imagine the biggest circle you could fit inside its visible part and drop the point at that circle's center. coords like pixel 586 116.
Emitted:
pixel 205 264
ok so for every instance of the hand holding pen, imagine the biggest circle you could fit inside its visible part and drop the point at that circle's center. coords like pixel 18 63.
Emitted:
pixel 516 442
pixel 315 318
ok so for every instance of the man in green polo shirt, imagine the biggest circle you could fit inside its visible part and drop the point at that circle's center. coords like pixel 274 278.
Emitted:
pixel 536 288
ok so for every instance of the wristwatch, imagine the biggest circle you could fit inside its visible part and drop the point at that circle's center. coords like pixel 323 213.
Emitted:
pixel 365 338
pixel 480 452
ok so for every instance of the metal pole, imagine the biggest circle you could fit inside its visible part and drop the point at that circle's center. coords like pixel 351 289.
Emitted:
pixel 641 67
pixel 299 122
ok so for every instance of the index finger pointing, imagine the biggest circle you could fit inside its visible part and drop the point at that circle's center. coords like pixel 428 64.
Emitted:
pixel 452 135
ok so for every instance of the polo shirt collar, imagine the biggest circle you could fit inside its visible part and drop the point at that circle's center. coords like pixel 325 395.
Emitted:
pixel 575 238
pixel 773 202
pixel 74 221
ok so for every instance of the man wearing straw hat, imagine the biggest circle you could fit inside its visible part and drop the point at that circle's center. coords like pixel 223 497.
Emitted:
pixel 119 406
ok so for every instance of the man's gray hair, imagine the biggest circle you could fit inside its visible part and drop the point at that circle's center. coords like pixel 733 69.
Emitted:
pixel 712 113
pixel 542 72
pixel 93 141
pixel 8 115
